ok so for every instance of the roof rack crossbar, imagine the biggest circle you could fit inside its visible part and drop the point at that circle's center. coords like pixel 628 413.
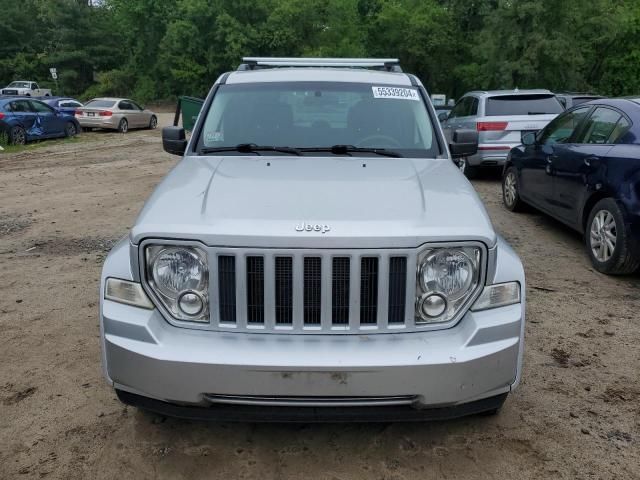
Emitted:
pixel 254 63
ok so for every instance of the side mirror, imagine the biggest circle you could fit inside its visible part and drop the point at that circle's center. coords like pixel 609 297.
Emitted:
pixel 529 139
pixel 464 143
pixel 173 140
pixel 442 116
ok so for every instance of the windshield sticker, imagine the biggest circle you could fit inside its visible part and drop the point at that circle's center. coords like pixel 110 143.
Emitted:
pixel 396 92
pixel 211 137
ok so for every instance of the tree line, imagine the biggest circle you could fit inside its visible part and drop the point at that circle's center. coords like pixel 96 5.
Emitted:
pixel 159 49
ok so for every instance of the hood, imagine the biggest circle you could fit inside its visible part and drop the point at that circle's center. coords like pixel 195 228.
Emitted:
pixel 314 202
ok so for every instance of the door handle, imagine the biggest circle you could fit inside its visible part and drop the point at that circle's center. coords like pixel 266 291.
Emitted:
pixel 590 160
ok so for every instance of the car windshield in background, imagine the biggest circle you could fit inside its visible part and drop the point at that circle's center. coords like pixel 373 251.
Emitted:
pixel 100 104
pixel 522 105
pixel 19 84
pixel 320 115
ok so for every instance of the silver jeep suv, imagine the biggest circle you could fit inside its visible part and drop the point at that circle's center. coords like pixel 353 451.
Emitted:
pixel 315 255
pixel 501 118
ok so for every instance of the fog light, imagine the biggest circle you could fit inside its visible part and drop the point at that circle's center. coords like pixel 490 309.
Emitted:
pixel 190 303
pixel 434 305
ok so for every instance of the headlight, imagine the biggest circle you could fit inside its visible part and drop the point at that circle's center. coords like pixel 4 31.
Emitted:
pixel 447 278
pixel 180 278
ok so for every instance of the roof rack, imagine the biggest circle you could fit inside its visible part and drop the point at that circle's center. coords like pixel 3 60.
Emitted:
pixel 256 63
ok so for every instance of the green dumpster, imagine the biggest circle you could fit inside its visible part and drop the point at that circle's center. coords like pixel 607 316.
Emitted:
pixel 189 108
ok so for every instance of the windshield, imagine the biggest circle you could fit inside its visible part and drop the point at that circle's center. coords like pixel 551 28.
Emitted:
pixel 320 114
pixel 522 105
pixel 19 84
pixel 100 103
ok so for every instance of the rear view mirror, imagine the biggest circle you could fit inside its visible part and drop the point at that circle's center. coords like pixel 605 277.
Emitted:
pixel 173 140
pixel 464 143
pixel 442 116
pixel 529 139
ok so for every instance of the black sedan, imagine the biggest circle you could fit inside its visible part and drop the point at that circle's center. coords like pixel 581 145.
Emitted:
pixel 584 169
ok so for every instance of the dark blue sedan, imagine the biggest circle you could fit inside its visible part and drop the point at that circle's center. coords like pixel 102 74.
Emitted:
pixel 64 104
pixel 584 169
pixel 25 119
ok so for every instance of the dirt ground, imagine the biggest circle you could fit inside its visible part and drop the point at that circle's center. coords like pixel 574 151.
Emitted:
pixel 575 416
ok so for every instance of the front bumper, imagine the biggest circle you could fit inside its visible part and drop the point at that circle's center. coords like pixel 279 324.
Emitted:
pixel 476 359
pixel 164 366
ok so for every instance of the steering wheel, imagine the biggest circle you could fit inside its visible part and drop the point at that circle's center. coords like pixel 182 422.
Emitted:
pixel 367 142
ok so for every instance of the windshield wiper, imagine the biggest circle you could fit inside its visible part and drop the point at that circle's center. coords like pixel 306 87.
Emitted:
pixel 537 113
pixel 347 149
pixel 251 148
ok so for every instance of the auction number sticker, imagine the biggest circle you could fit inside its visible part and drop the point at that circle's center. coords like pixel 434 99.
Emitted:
pixel 396 92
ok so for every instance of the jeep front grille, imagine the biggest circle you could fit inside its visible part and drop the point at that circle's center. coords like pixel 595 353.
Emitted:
pixel 312 291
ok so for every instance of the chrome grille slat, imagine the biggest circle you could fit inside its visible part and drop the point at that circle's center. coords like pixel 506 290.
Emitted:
pixel 298 306
pixel 382 320
pixel 325 312
pixel 269 292
pixel 241 292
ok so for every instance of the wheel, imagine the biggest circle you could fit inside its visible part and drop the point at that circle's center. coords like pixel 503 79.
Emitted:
pixel 70 129
pixel 153 123
pixel 28 95
pixel 123 126
pixel 47 95
pixel 469 171
pixel 17 136
pixel 510 194
pixel 610 245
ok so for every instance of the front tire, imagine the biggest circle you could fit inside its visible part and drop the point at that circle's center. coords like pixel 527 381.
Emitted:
pixel 469 171
pixel 70 130
pixel 610 245
pixel 510 192
pixel 153 122
pixel 123 126
pixel 18 136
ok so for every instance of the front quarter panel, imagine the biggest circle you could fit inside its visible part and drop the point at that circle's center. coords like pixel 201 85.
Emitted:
pixel 509 268
pixel 118 265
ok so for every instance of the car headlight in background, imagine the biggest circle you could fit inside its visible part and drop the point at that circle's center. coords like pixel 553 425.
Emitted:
pixel 447 278
pixel 180 278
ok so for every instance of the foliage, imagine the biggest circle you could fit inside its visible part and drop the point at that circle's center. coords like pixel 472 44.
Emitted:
pixel 157 49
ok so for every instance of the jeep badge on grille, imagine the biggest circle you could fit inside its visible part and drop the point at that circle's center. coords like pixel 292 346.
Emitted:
pixel 312 227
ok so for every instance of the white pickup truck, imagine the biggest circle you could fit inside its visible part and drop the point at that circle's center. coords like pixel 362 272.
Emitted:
pixel 25 88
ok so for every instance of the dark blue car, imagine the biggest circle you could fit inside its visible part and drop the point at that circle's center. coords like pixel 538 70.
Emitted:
pixel 584 169
pixel 25 119
pixel 64 104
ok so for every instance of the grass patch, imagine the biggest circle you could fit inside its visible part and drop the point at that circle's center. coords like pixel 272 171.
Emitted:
pixel 34 145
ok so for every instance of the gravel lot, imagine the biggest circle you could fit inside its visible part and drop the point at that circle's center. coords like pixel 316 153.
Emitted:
pixel 576 414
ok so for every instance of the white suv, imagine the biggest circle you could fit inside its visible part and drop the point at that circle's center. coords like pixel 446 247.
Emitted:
pixel 315 255
pixel 501 118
